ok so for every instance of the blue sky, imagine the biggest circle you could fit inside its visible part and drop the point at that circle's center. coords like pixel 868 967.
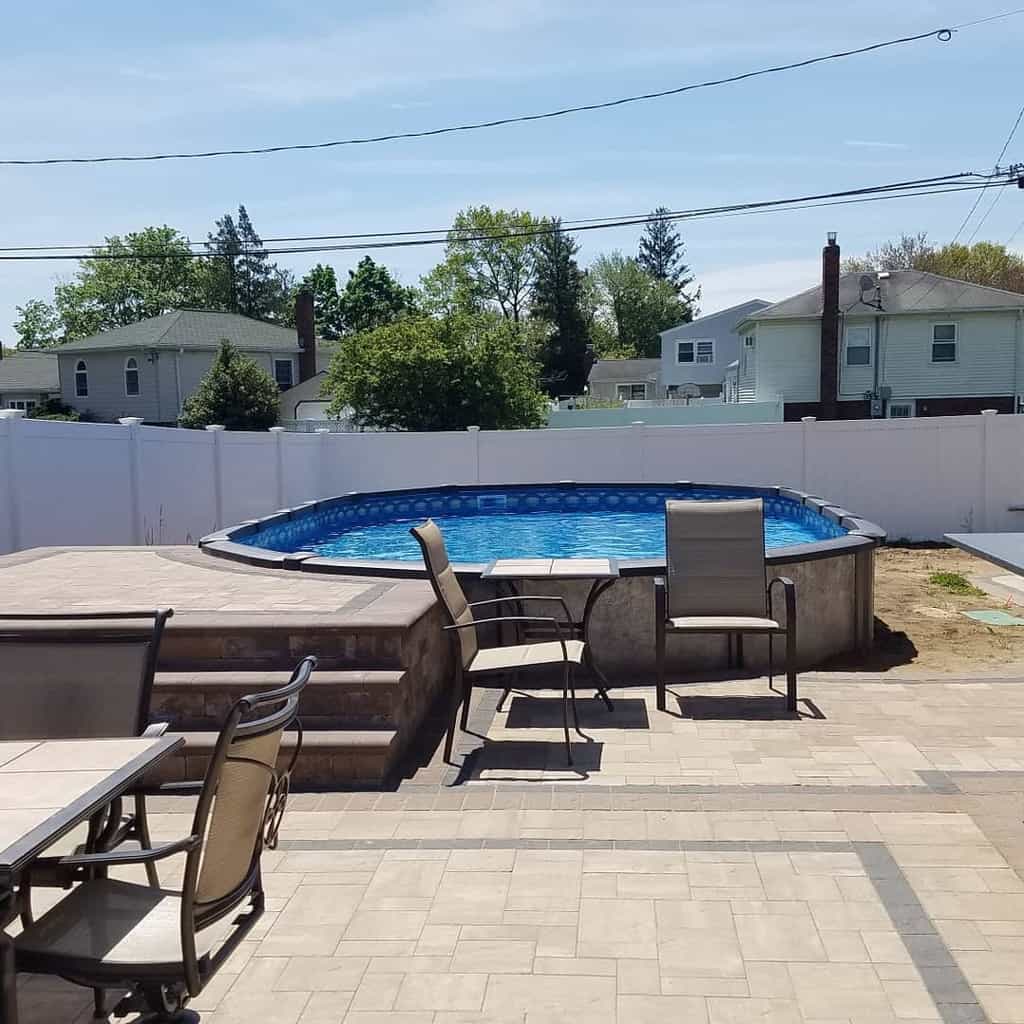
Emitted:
pixel 118 77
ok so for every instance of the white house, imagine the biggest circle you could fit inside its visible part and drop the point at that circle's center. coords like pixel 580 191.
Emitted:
pixel 903 343
pixel 699 353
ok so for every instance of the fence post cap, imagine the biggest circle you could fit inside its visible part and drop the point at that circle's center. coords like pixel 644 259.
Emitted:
pixel 322 430
pixel 808 419
pixel 989 412
pixel 473 430
pixel 276 430
pixel 214 426
pixel 129 421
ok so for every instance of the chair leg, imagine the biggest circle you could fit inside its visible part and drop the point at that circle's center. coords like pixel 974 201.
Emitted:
pixel 504 697
pixel 572 698
pixel 791 669
pixel 145 842
pixel 99 999
pixel 453 715
pixel 740 663
pixel 659 655
pixel 565 712
pixel 771 660
pixel 464 717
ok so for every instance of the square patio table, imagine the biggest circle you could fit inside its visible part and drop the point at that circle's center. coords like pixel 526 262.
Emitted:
pixel 603 572
pixel 1003 549
pixel 47 787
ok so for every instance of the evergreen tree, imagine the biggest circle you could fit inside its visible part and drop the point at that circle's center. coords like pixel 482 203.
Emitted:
pixel 322 283
pixel 558 299
pixel 236 392
pixel 372 298
pixel 661 255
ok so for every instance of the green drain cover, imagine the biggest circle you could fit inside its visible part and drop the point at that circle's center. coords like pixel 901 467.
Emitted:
pixel 995 618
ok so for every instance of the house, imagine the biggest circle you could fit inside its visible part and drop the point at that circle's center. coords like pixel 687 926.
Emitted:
pixel 900 343
pixel 625 379
pixel 699 353
pixel 304 401
pixel 27 379
pixel 149 368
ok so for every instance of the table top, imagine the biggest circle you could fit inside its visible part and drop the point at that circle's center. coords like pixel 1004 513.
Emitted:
pixel 47 787
pixel 1005 549
pixel 552 568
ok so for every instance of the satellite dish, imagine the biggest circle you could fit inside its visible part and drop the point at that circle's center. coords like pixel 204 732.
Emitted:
pixel 867 282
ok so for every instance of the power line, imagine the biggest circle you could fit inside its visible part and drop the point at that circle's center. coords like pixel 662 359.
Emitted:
pixel 941 34
pixel 970 213
pixel 874 194
pixel 571 223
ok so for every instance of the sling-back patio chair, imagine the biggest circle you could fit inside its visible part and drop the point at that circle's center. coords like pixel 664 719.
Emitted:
pixel 717 583
pixel 476 665
pixel 77 675
pixel 161 946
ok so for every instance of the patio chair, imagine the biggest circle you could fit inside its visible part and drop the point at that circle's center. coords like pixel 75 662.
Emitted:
pixel 717 583
pixel 162 947
pixel 475 665
pixel 76 675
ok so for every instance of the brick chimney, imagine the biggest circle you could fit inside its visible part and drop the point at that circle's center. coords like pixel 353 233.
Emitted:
pixel 306 330
pixel 829 388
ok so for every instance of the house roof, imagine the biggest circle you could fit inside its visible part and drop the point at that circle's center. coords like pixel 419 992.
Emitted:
pixel 306 391
pixel 192 329
pixel 741 311
pixel 903 291
pixel 623 369
pixel 29 371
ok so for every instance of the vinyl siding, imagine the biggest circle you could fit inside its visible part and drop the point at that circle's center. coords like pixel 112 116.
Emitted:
pixel 746 372
pixel 985 366
pixel 855 380
pixel 788 359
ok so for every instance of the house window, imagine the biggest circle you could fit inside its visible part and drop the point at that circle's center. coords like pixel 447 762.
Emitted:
pixel 631 392
pixel 858 346
pixel 25 404
pixel 131 377
pixel 283 373
pixel 748 354
pixel 81 379
pixel 944 343
pixel 699 351
pixel 901 410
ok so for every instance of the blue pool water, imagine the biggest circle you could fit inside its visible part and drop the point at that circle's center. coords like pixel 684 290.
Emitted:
pixel 480 524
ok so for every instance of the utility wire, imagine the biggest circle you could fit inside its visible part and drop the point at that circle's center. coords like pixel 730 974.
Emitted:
pixel 970 213
pixel 805 202
pixel 87 250
pixel 941 34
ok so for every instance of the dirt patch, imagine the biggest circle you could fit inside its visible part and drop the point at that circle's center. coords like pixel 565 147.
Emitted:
pixel 919 626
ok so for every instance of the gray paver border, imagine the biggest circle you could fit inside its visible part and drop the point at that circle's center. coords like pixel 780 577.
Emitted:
pixel 946 983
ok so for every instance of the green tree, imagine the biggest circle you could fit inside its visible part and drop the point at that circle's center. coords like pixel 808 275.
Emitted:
pixel 491 258
pixel 632 307
pixel 427 373
pixel 558 297
pixel 322 283
pixel 372 298
pixel 144 274
pixel 902 254
pixel 38 325
pixel 236 392
pixel 661 255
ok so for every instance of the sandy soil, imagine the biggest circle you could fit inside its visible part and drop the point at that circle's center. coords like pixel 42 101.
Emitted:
pixel 920 627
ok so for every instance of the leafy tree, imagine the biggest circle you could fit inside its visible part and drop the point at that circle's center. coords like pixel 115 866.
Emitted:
pixel 427 373
pixel 241 276
pixel 108 293
pixel 371 298
pixel 633 307
pixel 661 255
pixel 491 257
pixel 558 295
pixel 38 325
pixel 236 392
pixel 902 254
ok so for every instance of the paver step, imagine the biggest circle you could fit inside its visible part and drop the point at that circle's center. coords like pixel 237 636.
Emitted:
pixel 328 758
pixel 354 698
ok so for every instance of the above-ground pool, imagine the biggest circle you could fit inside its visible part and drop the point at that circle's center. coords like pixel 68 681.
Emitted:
pixel 521 522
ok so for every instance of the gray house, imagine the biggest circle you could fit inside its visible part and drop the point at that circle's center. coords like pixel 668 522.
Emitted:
pixel 27 379
pixel 625 379
pixel 700 353
pixel 148 369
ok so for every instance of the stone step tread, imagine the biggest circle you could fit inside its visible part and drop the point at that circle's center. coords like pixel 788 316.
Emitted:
pixel 319 740
pixel 241 679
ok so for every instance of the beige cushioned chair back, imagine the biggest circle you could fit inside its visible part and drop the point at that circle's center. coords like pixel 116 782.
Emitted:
pixel 237 816
pixel 70 690
pixel 715 558
pixel 446 586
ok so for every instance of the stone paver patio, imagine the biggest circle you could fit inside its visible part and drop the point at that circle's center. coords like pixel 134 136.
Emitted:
pixel 860 865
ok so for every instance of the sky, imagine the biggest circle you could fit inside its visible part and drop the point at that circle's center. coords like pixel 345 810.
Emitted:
pixel 118 77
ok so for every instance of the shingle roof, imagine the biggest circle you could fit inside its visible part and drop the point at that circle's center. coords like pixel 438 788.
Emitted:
pixel 29 371
pixel 903 291
pixel 624 369
pixel 192 329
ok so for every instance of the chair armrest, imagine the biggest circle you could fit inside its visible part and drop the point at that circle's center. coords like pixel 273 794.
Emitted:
pixel 789 594
pixel 660 599
pixel 171 789
pixel 526 597
pixel 550 620
pixel 141 856
pixel 155 730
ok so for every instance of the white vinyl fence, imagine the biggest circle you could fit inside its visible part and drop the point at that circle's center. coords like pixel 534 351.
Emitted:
pixel 97 483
